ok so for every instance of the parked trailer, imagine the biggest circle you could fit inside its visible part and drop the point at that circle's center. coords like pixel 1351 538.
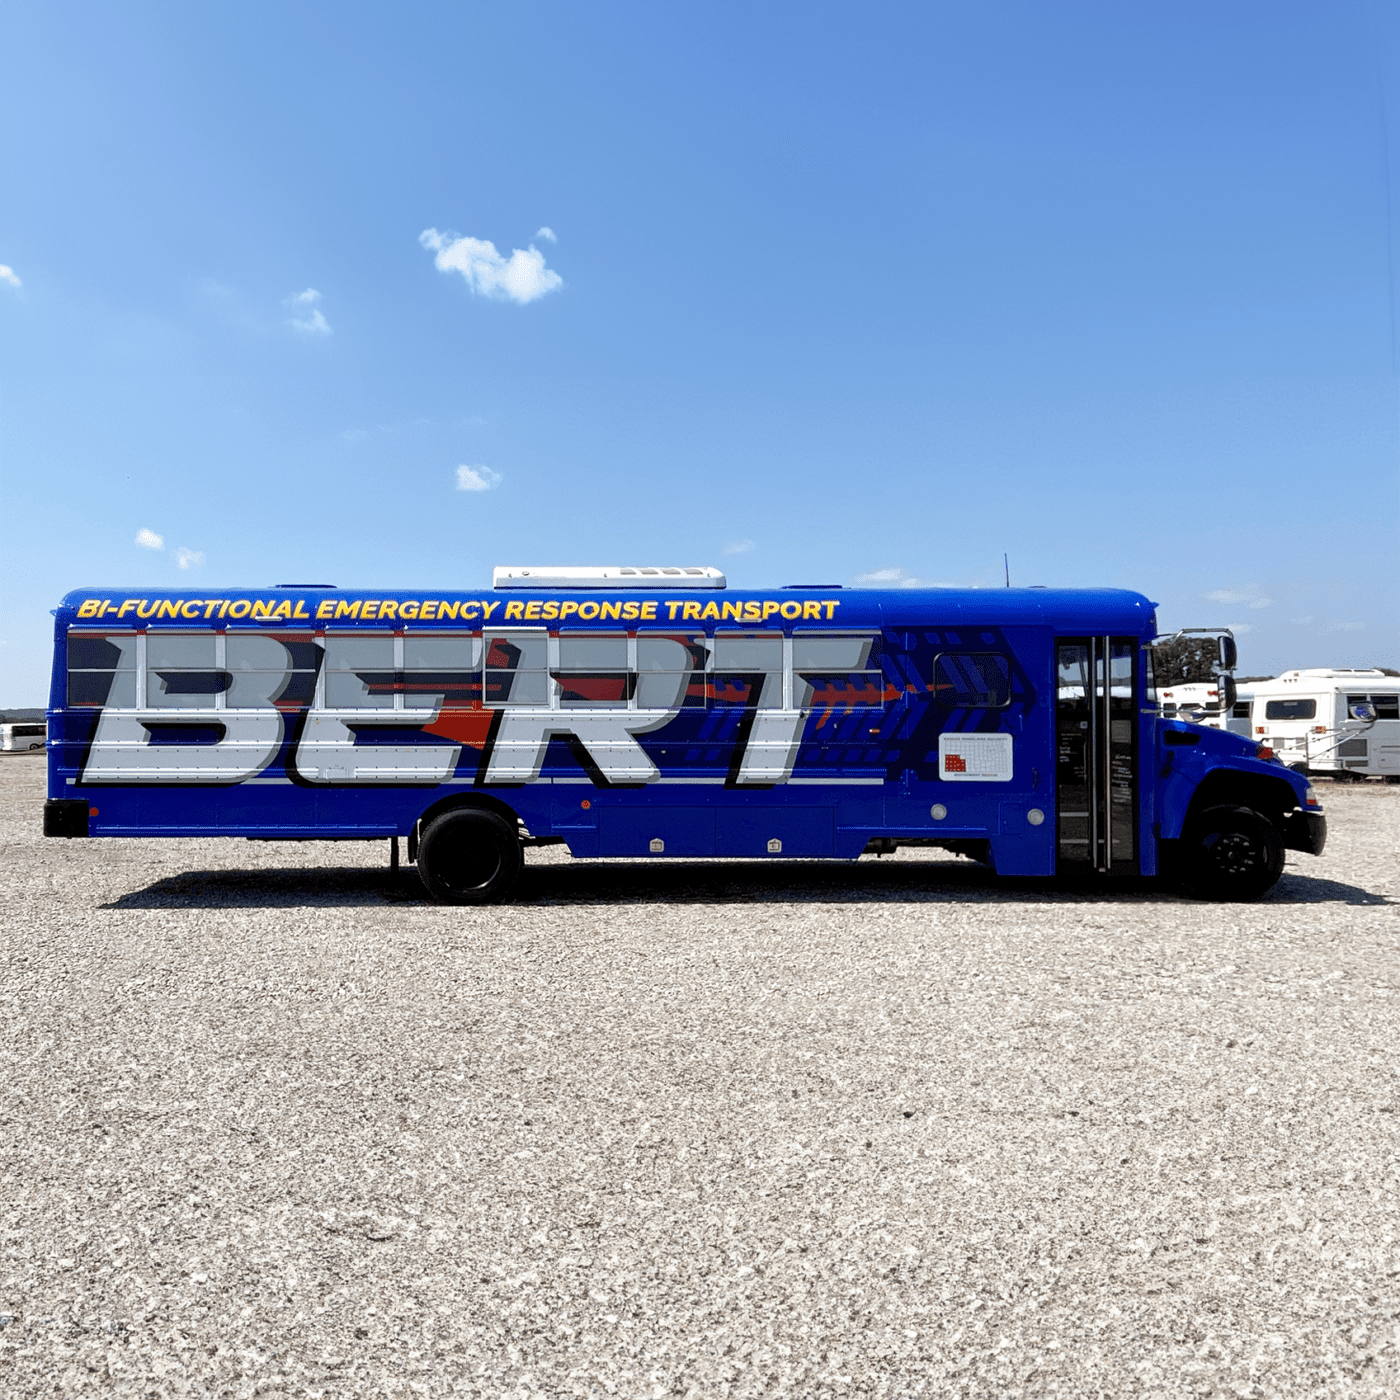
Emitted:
pixel 1338 723
pixel 654 713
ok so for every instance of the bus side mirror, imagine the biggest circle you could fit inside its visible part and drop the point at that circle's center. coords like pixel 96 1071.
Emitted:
pixel 1362 710
pixel 1229 693
pixel 1229 654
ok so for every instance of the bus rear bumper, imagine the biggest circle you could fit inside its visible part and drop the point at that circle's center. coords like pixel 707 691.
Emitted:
pixel 1305 831
pixel 65 816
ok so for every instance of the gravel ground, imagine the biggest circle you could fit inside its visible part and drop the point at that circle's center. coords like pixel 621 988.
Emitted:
pixel 272 1125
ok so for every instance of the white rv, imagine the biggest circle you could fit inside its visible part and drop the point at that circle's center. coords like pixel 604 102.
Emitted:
pixel 1331 722
pixel 1239 720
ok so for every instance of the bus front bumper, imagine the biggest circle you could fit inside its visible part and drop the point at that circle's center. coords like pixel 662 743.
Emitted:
pixel 1305 831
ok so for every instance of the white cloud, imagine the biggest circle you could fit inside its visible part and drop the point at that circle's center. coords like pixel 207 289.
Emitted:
pixel 1346 626
pixel 148 539
pixel 892 578
pixel 187 558
pixel 477 479
pixel 311 322
pixel 1240 628
pixel 738 547
pixel 7 274
pixel 547 233
pixel 1251 595
pixel 1302 621
pixel 522 277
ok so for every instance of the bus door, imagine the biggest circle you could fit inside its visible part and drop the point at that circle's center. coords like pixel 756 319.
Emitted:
pixel 1096 763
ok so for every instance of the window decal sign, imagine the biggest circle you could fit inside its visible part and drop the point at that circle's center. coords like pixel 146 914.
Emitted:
pixel 974 758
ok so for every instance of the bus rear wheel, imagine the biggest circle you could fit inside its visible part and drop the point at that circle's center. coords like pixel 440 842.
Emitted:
pixel 469 857
pixel 1231 854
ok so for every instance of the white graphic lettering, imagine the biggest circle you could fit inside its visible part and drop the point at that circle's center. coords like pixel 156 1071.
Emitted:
pixel 200 709
pixel 327 751
pixel 352 738
pixel 184 707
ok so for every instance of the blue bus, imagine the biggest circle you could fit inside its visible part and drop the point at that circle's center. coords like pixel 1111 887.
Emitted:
pixel 657 713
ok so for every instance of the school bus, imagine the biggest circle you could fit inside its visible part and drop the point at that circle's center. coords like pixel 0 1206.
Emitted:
pixel 659 714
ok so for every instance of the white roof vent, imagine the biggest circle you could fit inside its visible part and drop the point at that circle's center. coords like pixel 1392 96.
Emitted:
pixel 571 576
pixel 1342 673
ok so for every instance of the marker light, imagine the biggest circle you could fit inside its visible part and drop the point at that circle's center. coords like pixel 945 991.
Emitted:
pixel 1310 797
pixel 1319 729
pixel 1263 751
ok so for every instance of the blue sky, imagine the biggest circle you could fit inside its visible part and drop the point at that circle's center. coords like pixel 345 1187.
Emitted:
pixel 812 292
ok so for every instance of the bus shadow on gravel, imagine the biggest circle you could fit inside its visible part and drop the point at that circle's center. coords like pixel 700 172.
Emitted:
pixel 739 882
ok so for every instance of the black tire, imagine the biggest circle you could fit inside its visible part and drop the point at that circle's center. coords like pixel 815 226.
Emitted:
pixel 469 856
pixel 1230 854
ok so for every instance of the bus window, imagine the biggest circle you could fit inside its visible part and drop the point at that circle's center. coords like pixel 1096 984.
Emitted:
pixel 1290 709
pixel 263 670
pixel 441 669
pixel 359 672
pixel 748 671
pixel 671 672
pixel 979 680
pixel 836 673
pixel 593 672
pixel 1387 706
pixel 517 669
pixel 1241 711
pixel 102 670
pixel 182 672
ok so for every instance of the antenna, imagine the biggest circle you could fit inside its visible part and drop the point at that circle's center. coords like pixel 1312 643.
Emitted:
pixel 1006 564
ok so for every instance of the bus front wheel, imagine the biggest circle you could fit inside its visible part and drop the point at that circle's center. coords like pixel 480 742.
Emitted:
pixel 1231 854
pixel 469 857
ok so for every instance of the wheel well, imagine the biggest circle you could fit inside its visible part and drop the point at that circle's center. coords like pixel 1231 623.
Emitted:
pixel 1272 798
pixel 480 801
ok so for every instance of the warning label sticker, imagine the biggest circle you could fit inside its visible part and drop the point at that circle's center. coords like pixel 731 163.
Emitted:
pixel 974 758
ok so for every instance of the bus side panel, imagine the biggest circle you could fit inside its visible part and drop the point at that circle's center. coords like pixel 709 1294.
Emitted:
pixel 866 767
pixel 920 801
